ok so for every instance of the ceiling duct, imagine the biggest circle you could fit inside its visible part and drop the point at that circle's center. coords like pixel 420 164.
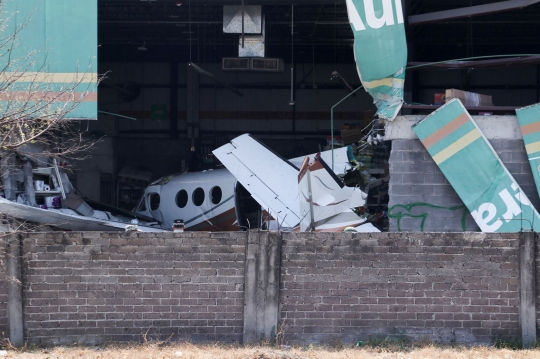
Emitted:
pixel 232 19
pixel 236 64
pixel 253 45
pixel 267 65
pixel 252 64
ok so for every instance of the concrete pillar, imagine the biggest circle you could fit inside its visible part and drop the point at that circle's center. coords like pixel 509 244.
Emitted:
pixel 15 298
pixel 527 288
pixel 261 286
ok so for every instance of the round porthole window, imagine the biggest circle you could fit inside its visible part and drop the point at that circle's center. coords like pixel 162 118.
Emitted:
pixel 154 200
pixel 181 198
pixel 216 194
pixel 198 197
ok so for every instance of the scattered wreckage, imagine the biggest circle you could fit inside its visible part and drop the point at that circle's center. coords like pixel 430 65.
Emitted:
pixel 270 195
pixel 44 195
pixel 251 193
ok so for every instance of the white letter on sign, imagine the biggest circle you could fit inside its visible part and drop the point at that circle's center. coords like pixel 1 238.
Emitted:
pixel 511 205
pixel 483 222
pixel 386 19
pixel 354 16
pixel 399 11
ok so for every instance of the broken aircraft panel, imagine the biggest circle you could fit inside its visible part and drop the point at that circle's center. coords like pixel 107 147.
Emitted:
pixel 474 170
pixel 380 51
pixel 529 123
pixel 325 203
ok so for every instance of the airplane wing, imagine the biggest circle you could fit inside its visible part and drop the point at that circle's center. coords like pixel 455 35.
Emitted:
pixel 269 179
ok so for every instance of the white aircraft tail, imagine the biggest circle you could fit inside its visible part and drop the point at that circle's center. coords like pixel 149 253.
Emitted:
pixel 265 175
pixel 319 202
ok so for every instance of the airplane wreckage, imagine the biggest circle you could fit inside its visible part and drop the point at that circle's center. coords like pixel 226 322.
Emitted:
pixel 279 195
pixel 258 189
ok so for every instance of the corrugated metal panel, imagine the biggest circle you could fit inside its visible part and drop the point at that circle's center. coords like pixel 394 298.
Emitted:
pixel 53 56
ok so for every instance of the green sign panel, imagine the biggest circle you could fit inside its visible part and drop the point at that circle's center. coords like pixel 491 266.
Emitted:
pixel 472 167
pixel 529 122
pixel 52 62
pixel 380 50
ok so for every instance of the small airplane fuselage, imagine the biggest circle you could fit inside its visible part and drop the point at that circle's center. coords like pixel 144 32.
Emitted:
pixel 204 200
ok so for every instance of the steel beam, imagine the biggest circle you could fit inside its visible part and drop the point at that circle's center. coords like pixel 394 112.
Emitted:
pixel 470 11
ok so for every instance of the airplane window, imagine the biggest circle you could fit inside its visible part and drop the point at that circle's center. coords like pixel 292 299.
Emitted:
pixel 181 198
pixel 154 200
pixel 198 196
pixel 215 194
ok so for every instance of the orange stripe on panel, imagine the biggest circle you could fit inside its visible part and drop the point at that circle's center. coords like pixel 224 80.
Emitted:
pixel 445 131
pixel 316 166
pixel 530 128
pixel 23 96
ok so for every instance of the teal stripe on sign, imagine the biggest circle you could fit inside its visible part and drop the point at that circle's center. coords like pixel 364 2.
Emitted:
pixel 532 138
pixel 487 170
pixel 528 115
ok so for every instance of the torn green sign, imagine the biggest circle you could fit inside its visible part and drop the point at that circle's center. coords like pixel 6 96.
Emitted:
pixel 472 167
pixel 52 62
pixel 529 122
pixel 380 50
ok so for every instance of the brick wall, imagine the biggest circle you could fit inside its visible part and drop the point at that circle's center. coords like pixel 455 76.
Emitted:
pixel 3 292
pixel 90 288
pixel 450 287
pixel 422 200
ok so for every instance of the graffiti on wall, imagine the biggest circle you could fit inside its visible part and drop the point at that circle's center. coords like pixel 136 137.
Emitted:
pixel 422 211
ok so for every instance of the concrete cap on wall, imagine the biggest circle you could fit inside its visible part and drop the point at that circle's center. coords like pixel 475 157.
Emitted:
pixel 493 127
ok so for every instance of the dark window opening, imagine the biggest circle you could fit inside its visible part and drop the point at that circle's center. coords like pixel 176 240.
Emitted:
pixel 198 197
pixel 216 194
pixel 181 198
pixel 154 200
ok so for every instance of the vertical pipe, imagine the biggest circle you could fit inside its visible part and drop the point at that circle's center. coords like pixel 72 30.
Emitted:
pixel 243 24
pixel 332 122
pixel 292 57
pixel 538 83
pixel 173 100
pixel 294 107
